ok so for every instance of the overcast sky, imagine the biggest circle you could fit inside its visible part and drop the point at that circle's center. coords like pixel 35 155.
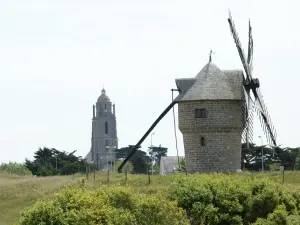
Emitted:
pixel 55 57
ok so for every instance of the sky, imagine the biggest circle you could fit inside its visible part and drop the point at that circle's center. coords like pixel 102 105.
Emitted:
pixel 55 57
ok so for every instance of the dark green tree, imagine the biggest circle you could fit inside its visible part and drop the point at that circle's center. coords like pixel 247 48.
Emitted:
pixel 157 152
pixel 49 162
pixel 139 160
pixel 297 163
pixel 252 157
pixel 122 153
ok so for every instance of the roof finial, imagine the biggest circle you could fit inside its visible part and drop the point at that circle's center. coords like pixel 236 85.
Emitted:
pixel 210 53
pixel 103 90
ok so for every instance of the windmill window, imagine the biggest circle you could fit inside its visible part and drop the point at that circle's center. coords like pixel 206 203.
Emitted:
pixel 106 127
pixel 200 113
pixel 202 141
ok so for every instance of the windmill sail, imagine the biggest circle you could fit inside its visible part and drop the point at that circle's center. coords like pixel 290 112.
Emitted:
pixel 265 119
pixel 239 47
pixel 248 114
pixel 252 85
pixel 250 46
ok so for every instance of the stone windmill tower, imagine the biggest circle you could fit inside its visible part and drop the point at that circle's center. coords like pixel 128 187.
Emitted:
pixel 210 119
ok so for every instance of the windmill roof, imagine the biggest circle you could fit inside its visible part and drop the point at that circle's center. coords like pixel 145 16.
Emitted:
pixel 184 85
pixel 211 83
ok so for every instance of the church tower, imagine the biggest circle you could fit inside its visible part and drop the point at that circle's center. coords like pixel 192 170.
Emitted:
pixel 104 133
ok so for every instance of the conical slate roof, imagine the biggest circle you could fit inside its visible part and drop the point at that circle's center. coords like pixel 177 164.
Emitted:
pixel 211 83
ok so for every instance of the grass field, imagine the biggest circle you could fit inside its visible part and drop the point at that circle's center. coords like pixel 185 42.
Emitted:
pixel 17 192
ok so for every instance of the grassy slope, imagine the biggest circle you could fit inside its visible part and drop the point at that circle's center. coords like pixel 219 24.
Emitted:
pixel 17 192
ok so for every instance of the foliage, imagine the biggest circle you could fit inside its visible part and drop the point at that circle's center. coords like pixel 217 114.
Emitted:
pixel 139 160
pixel 182 166
pixel 156 169
pixel 274 166
pixel 157 152
pixel 122 153
pixel 49 162
pixel 113 205
pixel 182 162
pixel 297 163
pixel 17 192
pixel 127 167
pixel 220 199
pixel 14 168
pixel 279 217
pixel 252 157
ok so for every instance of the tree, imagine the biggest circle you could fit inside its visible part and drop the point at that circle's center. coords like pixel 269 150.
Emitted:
pixel 157 153
pixel 139 160
pixel 49 162
pixel 122 153
pixel 252 158
pixel 182 166
pixel 297 164
pixel 127 167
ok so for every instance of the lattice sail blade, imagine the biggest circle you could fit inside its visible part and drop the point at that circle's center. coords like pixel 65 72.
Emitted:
pixel 247 135
pixel 239 47
pixel 250 45
pixel 265 120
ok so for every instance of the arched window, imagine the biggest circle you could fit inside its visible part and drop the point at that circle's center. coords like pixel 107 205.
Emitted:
pixel 202 141
pixel 106 127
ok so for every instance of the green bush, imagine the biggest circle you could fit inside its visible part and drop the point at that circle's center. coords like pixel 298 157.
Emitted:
pixel 108 205
pixel 14 168
pixel 221 199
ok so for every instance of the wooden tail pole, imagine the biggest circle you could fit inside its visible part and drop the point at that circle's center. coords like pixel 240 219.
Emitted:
pixel 94 174
pixel 149 179
pixel 86 173
pixel 134 149
pixel 108 176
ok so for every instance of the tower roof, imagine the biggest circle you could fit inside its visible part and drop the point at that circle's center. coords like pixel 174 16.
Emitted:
pixel 211 83
pixel 103 97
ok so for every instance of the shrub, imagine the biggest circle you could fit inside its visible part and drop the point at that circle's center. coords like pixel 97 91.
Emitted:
pixel 222 199
pixel 194 199
pixel 108 205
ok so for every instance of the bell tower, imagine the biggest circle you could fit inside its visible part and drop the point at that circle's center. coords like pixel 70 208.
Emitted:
pixel 104 133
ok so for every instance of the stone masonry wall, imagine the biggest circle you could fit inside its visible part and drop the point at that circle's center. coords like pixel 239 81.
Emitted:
pixel 221 130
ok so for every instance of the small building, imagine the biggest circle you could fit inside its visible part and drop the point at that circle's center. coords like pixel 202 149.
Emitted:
pixel 168 164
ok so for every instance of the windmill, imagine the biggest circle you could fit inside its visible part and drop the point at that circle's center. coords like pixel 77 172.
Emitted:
pixel 252 85
pixel 206 102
